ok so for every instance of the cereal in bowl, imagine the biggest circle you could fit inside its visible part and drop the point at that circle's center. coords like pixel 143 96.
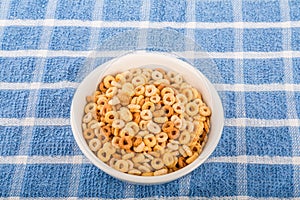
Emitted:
pixel 146 122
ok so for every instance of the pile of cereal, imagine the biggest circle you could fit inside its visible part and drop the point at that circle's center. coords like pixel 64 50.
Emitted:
pixel 146 122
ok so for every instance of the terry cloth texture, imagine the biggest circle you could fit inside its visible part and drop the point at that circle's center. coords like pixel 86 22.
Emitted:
pixel 45 44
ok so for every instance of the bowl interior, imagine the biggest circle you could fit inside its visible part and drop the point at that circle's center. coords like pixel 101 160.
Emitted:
pixel 152 60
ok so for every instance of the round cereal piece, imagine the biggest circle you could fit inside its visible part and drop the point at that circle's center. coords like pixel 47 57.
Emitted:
pixel 168 159
pixel 102 100
pixel 158 113
pixel 150 140
pixel 172 146
pixel 171 75
pixel 189 126
pixel 128 156
pixel 111 116
pixel 205 111
pixel 130 164
pixel 175 86
pixel 188 93
pixel 160 120
pixel 115 142
pixel 148 106
pixel 121 165
pixel 107 81
pixel 88 134
pixel 162 137
pixel 120 78
pixel 127 75
pixel 135 71
pixel 181 98
pixel 183 125
pixel 162 81
pixel 157 163
pixel 118 123
pixel 174 133
pixel 192 158
pixel 110 92
pixel 198 102
pixel 102 87
pixel 160 172
pixel 134 126
pixel 127 132
pixel 138 158
pixel 156 75
pixel 143 168
pixel 169 99
pixel 182 152
pixel 103 155
pixel 138 80
pixel 178 79
pixel 187 150
pixel 191 108
pixel 139 148
pixel 87 117
pixel 125 114
pixel 106 130
pixel 196 148
pixel 106 108
pixel 95 144
pixel 153 127
pixel 139 90
pixel 109 148
pixel 178 108
pixel 178 123
pixel 168 110
pixel 143 133
pixel 134 172
pixel 90 107
pixel 137 140
pixel 136 117
pixel 93 124
pixel 168 126
pixel 155 98
pixel 125 142
pixel 150 90
pixel 146 114
pixel 103 138
pixel 112 162
pixel 147 75
pixel 143 125
pixel 184 137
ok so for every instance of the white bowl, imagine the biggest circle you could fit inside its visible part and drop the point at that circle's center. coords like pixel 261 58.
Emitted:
pixel 140 59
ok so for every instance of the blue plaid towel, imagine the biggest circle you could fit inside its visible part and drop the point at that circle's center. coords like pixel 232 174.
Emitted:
pixel 46 44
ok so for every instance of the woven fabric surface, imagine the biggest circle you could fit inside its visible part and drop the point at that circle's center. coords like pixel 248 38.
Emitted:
pixel 44 45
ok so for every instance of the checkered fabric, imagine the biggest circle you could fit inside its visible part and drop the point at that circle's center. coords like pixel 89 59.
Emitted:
pixel 44 48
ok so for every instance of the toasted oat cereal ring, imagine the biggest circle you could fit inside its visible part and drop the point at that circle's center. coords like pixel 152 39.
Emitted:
pixel 162 81
pixel 106 108
pixel 111 116
pixel 125 142
pixel 109 148
pixel 168 159
pixel 160 120
pixel 115 142
pixel 93 124
pixel 196 148
pixel 87 117
pixel 118 123
pixel 174 133
pixel 192 158
pixel 169 99
pixel 102 88
pixel 157 163
pixel 150 90
pixel 128 156
pixel 95 144
pixel 103 155
pixel 160 172
pixel 103 138
pixel 145 169
pixel 102 100
pixel 168 126
pixel 153 127
pixel 181 98
pixel 178 79
pixel 120 79
pixel 156 75
pixel 178 123
pixel 136 117
pixel 198 102
pixel 146 114
pixel 171 75
pixel 155 98
pixel 187 150
pixel 188 93
pixel 121 165
pixel 130 164
pixel 112 162
pixel 138 158
pixel 90 107
pixel 162 137
pixel 127 132
pixel 178 108
pixel 107 81
pixel 150 140
pixel 135 71
pixel 106 130
pixel 205 111
pixel 166 90
pixel 138 80
pixel 134 126
pixel 184 137
pixel 134 107
pixel 134 172
pixel 191 108
pixel 148 106
pixel 143 133
pixel 127 75
pixel 143 125
pixel 110 92
pixel 168 110
pixel 172 146
pixel 189 126
pixel 139 90
pixel 125 114
pixel 175 86
pixel 137 140
pixel 88 134
pixel 139 148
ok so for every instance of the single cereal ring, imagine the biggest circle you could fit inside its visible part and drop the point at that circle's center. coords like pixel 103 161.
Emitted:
pixel 121 165
pixel 178 123
pixel 157 163
pixel 168 159
pixel 150 90
pixel 174 133
pixel 162 137
pixel 139 90
pixel 205 111
pixel 172 147
pixel 146 114
pixel 93 124
pixel 188 93
pixel 125 114
pixel 178 108
pixel 153 127
pixel 160 172
pixel 155 99
pixel 160 120
pixel 103 138
pixel 138 80
pixel 191 108
pixel 156 75
pixel 90 107
pixel 110 92
pixel 102 100
pixel 106 130
pixel 103 155
pixel 166 90
pixel 143 133
pixel 115 142
pixel 139 148
pixel 168 110
pixel 106 108
pixel 183 125
pixel 171 75
pixel 199 102
pixel 111 116
pixel 138 158
pixel 134 126
pixel 143 125
pixel 181 98
pixel 137 140
pixel 182 152
pixel 112 162
pixel 192 158
pixel 102 88
pixel 135 71
pixel 95 144
pixel 107 81
pixel 145 169
pixel 150 140
pixel 148 106
pixel 136 117
pixel 127 75
pixel 196 93
pixel 116 84
pixel 125 142
pixel 196 148
pixel 134 107
pixel 189 126
pixel 134 172
pixel 128 156
pixel 184 137
pixel 168 126
pixel 120 79
pixel 178 79
pixel 114 101
pixel 127 132
pixel 88 134
pixel 169 99
pixel 87 117
pixel 109 148
pixel 118 123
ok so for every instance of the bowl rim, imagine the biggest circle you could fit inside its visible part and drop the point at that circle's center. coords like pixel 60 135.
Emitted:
pixel 100 69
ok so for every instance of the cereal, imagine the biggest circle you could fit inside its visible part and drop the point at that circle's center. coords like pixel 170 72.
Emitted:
pixel 146 122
